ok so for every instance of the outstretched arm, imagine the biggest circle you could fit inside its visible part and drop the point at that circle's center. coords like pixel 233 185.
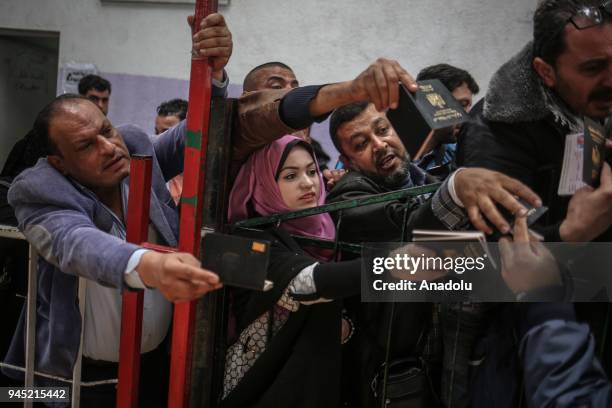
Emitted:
pixel 266 115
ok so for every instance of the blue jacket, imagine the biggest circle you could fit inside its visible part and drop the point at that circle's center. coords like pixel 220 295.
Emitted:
pixel 68 226
pixel 560 367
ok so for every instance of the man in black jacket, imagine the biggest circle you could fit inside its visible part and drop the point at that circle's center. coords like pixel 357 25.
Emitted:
pixel 533 102
pixel 378 162
pixel 540 96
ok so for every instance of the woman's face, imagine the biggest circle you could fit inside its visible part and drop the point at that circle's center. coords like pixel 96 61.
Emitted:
pixel 298 180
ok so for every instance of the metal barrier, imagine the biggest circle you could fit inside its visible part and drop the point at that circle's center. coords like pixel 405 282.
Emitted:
pixel 7 231
pixel 29 370
pixel 196 143
pixel 131 307
pixel 189 241
pixel 193 203
pixel 342 205
pixel 127 393
pixel 337 244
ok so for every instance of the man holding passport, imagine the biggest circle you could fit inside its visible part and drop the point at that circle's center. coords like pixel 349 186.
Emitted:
pixel 378 162
pixel 540 96
pixel 536 103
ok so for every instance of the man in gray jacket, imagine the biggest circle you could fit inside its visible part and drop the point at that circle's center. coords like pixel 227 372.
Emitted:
pixel 72 207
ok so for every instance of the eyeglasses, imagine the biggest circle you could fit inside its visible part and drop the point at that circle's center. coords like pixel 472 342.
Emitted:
pixel 587 17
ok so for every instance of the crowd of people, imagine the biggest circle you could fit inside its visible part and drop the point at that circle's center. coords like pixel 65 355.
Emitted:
pixel 310 341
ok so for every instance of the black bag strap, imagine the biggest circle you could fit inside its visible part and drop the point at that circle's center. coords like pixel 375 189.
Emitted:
pixel 386 364
pixel 383 394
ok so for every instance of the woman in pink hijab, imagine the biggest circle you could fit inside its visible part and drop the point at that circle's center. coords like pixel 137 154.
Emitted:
pixel 288 351
pixel 260 185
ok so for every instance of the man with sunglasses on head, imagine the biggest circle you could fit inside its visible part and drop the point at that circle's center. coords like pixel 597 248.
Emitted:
pixel 535 100
pixel 540 96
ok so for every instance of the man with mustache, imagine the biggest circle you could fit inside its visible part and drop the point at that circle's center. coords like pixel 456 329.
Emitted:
pixel 378 162
pixel 540 96
pixel 534 101
pixel 72 207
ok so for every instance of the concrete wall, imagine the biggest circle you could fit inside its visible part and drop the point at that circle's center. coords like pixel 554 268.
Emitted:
pixel 324 41
pixel 28 72
pixel 335 40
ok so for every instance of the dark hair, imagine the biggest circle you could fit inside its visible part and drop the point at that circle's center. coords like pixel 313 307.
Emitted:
pixel 24 154
pixel 93 82
pixel 248 85
pixel 46 115
pixel 549 23
pixel 342 115
pixel 173 107
pixel 451 77
pixel 288 148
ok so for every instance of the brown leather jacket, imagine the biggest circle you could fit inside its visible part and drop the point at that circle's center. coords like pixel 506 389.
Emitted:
pixel 259 123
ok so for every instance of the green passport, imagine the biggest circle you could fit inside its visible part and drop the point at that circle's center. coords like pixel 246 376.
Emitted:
pixel 432 107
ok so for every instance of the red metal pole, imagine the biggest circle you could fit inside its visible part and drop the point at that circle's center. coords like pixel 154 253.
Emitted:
pixel 191 211
pixel 131 313
pixel 158 248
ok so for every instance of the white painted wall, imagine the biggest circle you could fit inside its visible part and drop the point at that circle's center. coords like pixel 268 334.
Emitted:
pixel 145 48
pixel 323 40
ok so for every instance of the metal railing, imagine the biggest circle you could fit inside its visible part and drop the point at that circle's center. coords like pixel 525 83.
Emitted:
pixel 337 244
pixel 342 205
pixel 29 370
pixel 250 224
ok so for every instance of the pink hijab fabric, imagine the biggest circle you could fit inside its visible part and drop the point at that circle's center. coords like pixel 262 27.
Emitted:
pixel 256 193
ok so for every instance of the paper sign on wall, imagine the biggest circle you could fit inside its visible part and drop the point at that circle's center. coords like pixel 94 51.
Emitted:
pixel 71 73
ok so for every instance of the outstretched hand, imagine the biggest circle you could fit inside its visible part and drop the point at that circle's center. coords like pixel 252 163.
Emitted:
pixel 480 189
pixel 379 84
pixel 589 213
pixel 526 263
pixel 422 274
pixel 178 276
pixel 332 177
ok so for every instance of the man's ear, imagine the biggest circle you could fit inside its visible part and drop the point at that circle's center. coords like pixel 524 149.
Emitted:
pixel 545 71
pixel 57 163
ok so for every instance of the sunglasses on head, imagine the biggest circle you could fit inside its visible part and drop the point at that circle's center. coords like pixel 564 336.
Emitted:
pixel 591 16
